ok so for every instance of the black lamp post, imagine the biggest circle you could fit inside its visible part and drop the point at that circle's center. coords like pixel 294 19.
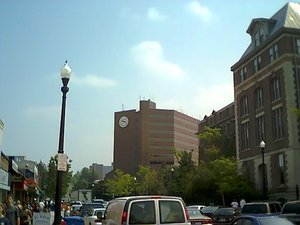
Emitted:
pixel 263 146
pixel 65 73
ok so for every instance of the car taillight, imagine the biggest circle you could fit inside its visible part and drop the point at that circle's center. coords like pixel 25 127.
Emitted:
pixel 187 214
pixel 124 217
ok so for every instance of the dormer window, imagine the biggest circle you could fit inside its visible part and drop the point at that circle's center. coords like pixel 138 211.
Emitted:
pixel 258 37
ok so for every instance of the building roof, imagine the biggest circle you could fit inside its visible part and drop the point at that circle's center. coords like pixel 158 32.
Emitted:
pixel 287 17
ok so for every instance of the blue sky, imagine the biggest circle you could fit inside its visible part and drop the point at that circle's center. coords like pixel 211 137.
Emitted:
pixel 178 53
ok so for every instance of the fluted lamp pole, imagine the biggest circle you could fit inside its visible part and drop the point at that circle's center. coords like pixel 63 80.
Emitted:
pixel 65 73
pixel 263 146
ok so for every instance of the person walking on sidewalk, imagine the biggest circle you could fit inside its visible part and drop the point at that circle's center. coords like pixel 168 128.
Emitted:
pixel 3 218
pixel 12 212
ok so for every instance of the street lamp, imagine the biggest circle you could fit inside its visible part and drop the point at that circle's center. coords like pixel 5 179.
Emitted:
pixel 263 146
pixel 172 177
pixel 65 73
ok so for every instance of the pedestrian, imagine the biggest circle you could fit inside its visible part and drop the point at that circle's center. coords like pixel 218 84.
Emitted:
pixel 3 218
pixel 242 203
pixel 25 215
pixel 12 212
pixel 234 204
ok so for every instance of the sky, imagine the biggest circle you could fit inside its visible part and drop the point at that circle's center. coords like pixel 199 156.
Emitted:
pixel 177 53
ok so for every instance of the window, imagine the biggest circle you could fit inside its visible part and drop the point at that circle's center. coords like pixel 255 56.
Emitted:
pixel 273 52
pixel 281 165
pixel 243 74
pixel 171 212
pixel 260 129
pixel 257 64
pixel 275 89
pixel 258 37
pixel 245 135
pixel 142 212
pixel 277 123
pixel 298 46
pixel 244 106
pixel 259 103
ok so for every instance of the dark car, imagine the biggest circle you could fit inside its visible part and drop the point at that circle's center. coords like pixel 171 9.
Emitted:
pixel 291 210
pixel 261 219
pixel 209 210
pixel 196 217
pixel 86 208
pixel 261 208
pixel 224 216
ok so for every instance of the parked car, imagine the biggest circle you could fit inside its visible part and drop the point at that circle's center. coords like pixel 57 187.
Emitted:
pixel 146 210
pixel 87 207
pixel 224 216
pixel 209 210
pixel 261 219
pixel 196 217
pixel 91 217
pixel 198 207
pixel 75 210
pixel 291 210
pixel 261 207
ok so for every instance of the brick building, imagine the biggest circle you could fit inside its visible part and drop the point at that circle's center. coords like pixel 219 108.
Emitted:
pixel 266 91
pixel 149 137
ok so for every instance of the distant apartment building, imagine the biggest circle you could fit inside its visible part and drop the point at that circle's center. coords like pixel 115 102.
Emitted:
pixel 225 120
pixel 266 91
pixel 99 170
pixel 151 136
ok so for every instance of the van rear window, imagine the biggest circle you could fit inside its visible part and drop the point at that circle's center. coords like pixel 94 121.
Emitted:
pixel 171 212
pixel 142 212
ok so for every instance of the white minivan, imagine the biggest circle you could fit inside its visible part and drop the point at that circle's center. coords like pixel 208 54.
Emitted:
pixel 146 210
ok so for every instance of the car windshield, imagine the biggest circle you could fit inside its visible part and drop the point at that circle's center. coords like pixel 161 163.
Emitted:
pixel 291 208
pixel 194 212
pixel 225 212
pixel 255 208
pixel 274 221
pixel 209 209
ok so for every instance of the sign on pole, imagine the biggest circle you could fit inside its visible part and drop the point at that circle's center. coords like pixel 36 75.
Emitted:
pixel 41 218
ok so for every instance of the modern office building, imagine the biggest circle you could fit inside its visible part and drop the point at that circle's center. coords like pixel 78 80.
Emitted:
pixel 225 120
pixel 151 136
pixel 266 91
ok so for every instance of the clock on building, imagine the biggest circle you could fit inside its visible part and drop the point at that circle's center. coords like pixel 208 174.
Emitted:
pixel 123 122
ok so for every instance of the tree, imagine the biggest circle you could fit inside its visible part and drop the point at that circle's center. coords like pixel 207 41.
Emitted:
pixel 43 177
pixel 52 175
pixel 121 184
pixel 83 179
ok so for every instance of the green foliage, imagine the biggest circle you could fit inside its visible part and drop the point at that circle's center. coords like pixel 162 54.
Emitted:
pixel 121 185
pixel 52 176
pixel 83 179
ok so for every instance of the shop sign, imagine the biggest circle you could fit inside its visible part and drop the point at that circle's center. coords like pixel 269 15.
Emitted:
pixel 3 177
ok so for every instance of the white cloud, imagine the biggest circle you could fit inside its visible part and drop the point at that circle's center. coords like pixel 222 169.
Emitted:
pixel 154 15
pixel 149 56
pixel 202 102
pixel 199 10
pixel 93 81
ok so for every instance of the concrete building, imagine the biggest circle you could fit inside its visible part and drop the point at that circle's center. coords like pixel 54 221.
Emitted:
pixel 100 170
pixel 225 120
pixel 266 91
pixel 149 137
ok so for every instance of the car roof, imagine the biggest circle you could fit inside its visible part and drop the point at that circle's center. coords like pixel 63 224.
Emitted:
pixel 147 197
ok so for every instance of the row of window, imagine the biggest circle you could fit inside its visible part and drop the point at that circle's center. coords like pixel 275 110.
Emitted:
pixel 260 128
pixel 273 55
pixel 259 97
